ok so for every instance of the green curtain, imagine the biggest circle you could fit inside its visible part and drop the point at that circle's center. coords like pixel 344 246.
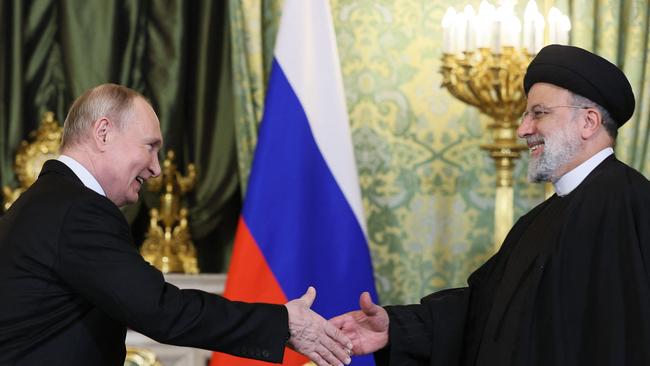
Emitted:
pixel 254 24
pixel 427 187
pixel 618 30
pixel 175 52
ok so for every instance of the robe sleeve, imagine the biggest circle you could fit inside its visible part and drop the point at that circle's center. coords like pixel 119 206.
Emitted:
pixel 428 333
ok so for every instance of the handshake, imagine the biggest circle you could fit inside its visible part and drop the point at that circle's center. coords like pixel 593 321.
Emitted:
pixel 332 342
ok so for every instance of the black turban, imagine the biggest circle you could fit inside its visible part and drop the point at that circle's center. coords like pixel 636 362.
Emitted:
pixel 585 74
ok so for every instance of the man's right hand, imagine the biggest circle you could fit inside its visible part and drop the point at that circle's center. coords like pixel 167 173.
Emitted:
pixel 367 328
pixel 313 336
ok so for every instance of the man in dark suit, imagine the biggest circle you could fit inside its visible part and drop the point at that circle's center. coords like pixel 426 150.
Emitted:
pixel 71 280
pixel 571 283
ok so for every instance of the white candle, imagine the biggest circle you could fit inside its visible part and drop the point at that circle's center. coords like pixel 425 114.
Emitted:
pixel 470 32
pixel 515 26
pixel 496 28
pixel 496 36
pixel 554 16
pixel 448 30
pixel 565 27
pixel 529 26
pixel 500 31
pixel 460 28
pixel 538 41
pixel 485 20
pixel 511 26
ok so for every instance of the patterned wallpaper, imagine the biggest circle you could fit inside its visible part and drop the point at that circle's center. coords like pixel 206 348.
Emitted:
pixel 427 187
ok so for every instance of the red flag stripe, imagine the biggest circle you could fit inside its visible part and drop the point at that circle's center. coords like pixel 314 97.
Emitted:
pixel 250 279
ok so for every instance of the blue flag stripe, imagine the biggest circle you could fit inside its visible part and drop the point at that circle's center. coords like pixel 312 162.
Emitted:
pixel 301 220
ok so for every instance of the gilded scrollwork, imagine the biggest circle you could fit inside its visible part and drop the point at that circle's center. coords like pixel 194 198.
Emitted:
pixel 168 244
pixel 44 145
pixel 136 356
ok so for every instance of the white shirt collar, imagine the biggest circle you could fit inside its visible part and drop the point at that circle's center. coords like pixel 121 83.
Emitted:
pixel 569 181
pixel 82 173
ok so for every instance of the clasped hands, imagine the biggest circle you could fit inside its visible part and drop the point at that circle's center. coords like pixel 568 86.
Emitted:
pixel 332 342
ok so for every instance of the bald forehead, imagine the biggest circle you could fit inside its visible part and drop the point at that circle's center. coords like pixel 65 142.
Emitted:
pixel 146 120
pixel 141 109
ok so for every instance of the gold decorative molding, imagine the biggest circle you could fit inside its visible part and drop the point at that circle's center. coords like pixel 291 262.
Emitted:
pixel 168 245
pixel 136 356
pixel 31 156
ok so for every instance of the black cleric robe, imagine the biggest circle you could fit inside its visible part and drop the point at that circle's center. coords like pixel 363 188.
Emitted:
pixel 569 286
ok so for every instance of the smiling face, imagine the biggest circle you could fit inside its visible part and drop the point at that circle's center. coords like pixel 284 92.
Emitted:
pixel 131 154
pixel 551 132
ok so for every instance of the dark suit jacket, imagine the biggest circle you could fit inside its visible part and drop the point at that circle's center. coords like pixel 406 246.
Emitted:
pixel 71 281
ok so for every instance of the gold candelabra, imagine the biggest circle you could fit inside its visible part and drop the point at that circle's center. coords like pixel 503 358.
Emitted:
pixel 492 82
pixel 169 246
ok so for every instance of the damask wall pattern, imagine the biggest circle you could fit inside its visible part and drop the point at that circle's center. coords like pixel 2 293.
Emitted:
pixel 428 188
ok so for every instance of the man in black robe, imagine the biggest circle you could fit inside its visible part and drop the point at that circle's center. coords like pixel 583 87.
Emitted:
pixel 570 285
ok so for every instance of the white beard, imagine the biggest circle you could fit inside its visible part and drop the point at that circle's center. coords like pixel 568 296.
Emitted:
pixel 559 149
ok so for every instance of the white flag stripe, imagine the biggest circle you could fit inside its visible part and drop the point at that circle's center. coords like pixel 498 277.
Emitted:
pixel 306 51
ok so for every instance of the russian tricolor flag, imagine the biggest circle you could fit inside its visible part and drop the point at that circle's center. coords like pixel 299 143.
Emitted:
pixel 302 223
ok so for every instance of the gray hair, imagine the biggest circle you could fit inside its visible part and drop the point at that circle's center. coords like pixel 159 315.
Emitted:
pixel 608 122
pixel 106 100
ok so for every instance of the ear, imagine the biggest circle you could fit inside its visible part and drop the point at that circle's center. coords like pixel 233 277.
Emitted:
pixel 591 123
pixel 100 132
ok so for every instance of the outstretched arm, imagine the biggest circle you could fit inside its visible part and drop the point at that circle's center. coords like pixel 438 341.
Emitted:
pixel 313 336
pixel 367 328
